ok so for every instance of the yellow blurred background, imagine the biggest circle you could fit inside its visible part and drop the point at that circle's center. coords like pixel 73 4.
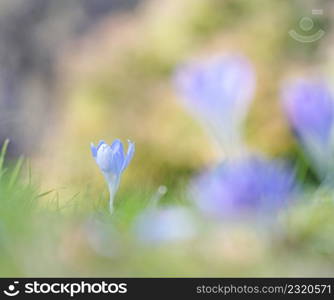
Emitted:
pixel 116 81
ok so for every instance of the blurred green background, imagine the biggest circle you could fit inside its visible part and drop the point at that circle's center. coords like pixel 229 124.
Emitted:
pixel 115 80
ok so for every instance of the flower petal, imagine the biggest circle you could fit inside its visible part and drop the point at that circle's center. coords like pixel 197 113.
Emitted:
pixel 218 87
pixel 251 186
pixel 309 108
pixel 93 149
pixel 117 156
pixel 104 158
pixel 101 142
pixel 129 155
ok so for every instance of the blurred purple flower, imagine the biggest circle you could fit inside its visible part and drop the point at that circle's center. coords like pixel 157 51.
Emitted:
pixel 247 187
pixel 218 91
pixel 309 108
pixel 112 161
pixel 164 225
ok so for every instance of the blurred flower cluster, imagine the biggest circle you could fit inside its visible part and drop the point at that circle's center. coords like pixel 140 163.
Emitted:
pixel 244 183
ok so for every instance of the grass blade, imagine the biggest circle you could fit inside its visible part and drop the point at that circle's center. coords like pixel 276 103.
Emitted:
pixel 44 194
pixel 16 171
pixel 3 153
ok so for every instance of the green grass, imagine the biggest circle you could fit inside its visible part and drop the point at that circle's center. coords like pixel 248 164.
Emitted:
pixel 42 235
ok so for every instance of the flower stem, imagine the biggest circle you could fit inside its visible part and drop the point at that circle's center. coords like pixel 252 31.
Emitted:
pixel 113 187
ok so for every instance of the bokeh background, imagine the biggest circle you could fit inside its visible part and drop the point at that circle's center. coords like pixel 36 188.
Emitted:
pixel 74 72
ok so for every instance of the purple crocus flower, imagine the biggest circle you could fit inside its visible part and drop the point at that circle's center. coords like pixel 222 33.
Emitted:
pixel 112 162
pixel 244 187
pixel 218 91
pixel 308 105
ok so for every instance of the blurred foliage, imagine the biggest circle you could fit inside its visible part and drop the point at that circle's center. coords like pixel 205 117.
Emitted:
pixel 117 82
pixel 79 238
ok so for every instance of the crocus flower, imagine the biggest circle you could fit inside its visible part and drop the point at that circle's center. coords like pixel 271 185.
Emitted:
pixel 308 105
pixel 247 187
pixel 164 225
pixel 218 91
pixel 112 162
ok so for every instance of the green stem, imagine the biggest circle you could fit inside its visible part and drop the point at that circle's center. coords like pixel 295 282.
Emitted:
pixel 113 184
